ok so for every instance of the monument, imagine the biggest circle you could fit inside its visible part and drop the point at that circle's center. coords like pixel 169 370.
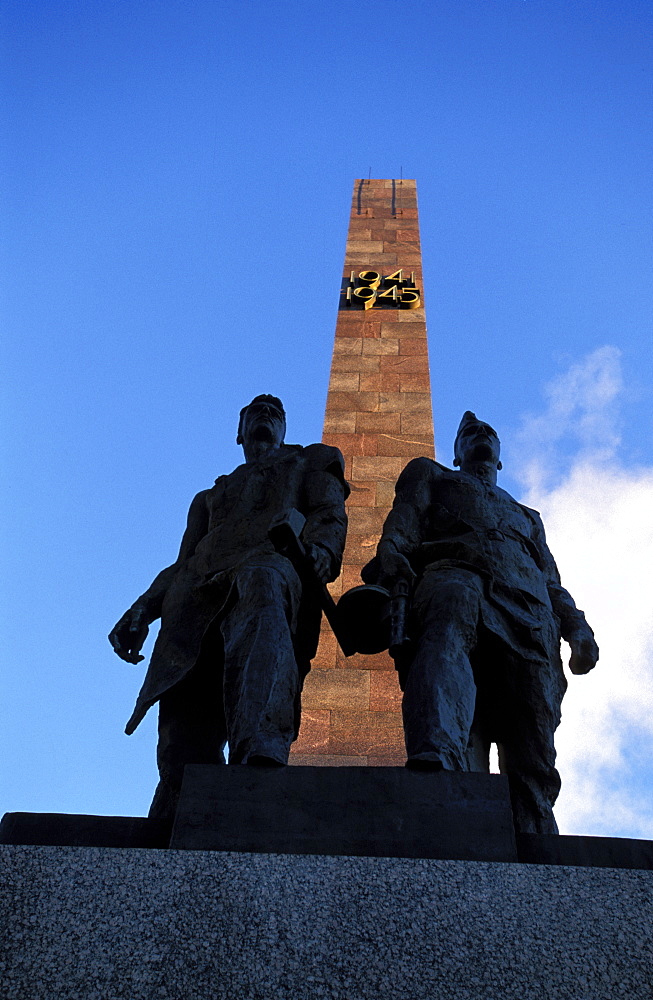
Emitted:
pixel 336 881
pixel 379 415
pixel 487 614
pixel 239 620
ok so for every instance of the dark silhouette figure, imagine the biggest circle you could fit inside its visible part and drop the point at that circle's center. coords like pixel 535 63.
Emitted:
pixel 239 621
pixel 488 610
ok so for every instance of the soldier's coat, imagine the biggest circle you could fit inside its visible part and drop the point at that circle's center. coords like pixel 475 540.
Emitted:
pixel 441 518
pixel 227 528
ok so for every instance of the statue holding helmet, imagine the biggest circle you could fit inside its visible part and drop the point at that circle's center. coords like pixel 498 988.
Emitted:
pixel 486 616
pixel 475 615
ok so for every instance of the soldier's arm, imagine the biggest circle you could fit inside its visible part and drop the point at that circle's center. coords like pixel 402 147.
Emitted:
pixel 324 495
pixel 573 624
pixel 403 528
pixel 129 634
pixel 197 526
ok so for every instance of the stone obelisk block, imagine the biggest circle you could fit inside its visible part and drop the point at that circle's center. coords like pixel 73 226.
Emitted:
pixel 379 414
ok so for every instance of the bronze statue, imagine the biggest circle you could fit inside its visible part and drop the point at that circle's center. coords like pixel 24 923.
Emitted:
pixel 483 661
pixel 239 620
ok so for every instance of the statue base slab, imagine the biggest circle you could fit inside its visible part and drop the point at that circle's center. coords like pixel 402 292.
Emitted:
pixel 355 811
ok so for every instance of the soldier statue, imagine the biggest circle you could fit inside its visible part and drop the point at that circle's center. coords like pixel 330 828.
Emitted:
pixel 239 620
pixel 487 613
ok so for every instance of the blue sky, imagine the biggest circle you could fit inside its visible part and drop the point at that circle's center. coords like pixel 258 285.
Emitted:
pixel 175 195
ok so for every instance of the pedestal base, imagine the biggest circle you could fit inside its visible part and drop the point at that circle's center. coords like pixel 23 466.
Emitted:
pixel 103 924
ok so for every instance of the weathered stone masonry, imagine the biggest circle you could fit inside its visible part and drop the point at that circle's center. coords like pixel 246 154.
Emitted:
pixel 379 414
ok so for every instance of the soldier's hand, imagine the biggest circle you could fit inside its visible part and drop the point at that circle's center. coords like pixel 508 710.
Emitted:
pixel 129 634
pixel 584 652
pixel 321 561
pixel 393 564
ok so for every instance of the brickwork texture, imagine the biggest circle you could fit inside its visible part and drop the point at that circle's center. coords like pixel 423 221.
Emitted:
pixel 379 414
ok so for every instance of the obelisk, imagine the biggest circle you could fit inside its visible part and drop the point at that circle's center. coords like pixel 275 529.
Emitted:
pixel 379 414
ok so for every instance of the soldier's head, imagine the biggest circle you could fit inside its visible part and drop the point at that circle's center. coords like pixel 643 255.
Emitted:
pixel 264 419
pixel 476 441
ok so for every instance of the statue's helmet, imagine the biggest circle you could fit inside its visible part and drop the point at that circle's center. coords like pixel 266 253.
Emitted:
pixel 470 418
pixel 467 418
pixel 272 401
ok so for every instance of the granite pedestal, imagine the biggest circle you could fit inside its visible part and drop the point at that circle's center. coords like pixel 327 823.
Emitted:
pixel 102 924
pixel 140 923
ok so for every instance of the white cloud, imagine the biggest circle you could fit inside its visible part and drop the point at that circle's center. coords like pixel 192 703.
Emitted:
pixel 598 515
